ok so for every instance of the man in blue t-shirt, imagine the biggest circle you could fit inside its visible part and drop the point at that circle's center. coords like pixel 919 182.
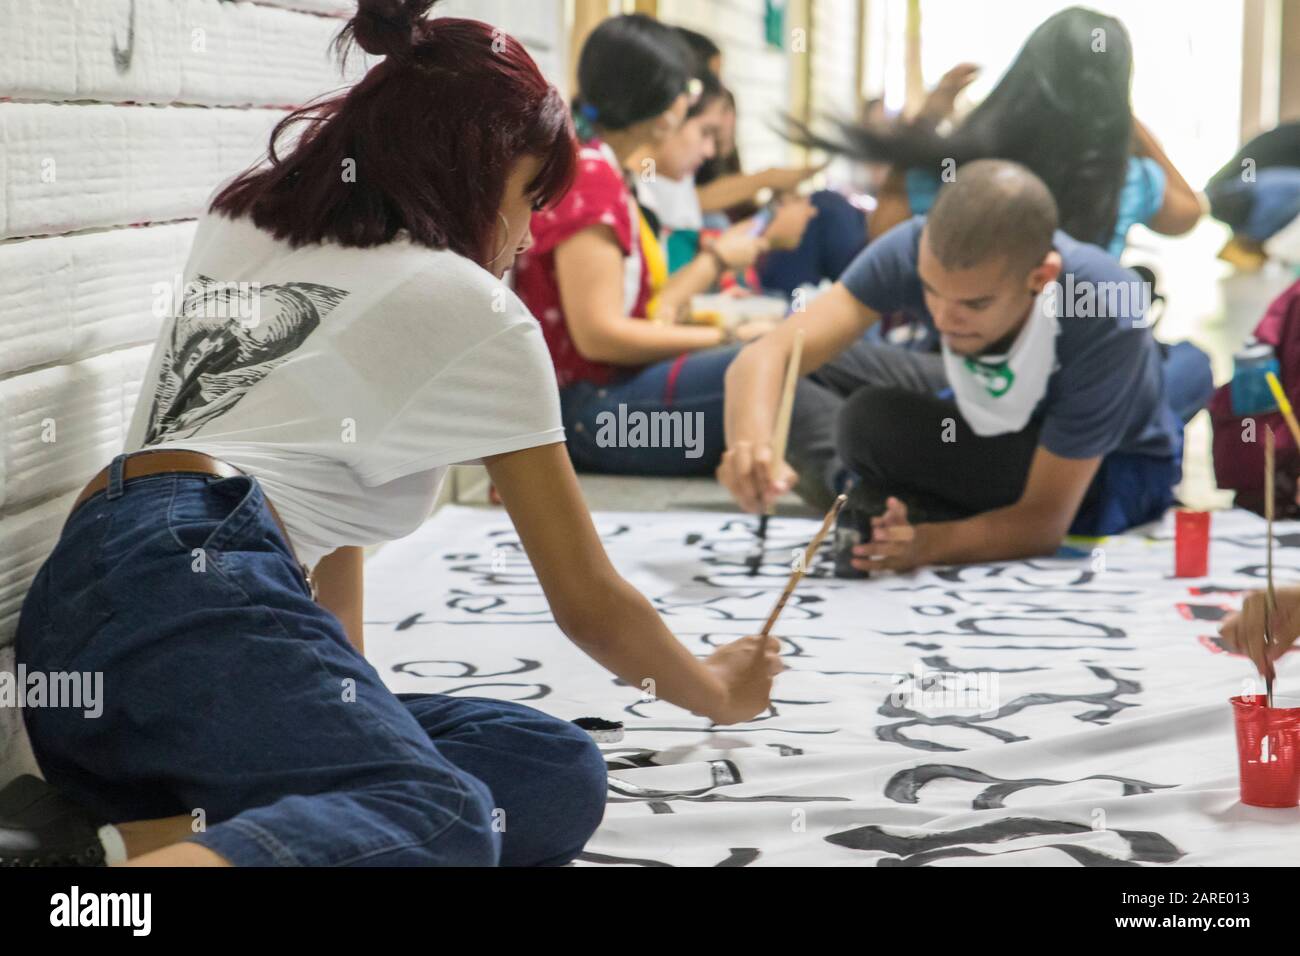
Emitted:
pixel 1044 411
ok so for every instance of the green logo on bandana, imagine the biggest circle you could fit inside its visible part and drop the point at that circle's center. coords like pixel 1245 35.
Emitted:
pixel 997 378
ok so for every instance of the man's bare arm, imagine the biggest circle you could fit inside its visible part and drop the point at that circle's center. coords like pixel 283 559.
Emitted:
pixel 833 321
pixel 1035 525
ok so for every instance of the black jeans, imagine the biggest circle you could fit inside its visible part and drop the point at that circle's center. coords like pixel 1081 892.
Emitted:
pixel 873 411
pixel 919 449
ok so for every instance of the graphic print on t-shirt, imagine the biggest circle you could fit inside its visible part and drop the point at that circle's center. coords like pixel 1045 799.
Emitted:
pixel 227 338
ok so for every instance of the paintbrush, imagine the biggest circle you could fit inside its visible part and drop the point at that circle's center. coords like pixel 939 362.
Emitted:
pixel 1271 602
pixel 827 523
pixel 1284 406
pixel 780 436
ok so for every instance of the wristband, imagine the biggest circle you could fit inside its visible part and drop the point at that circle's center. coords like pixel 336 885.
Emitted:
pixel 723 268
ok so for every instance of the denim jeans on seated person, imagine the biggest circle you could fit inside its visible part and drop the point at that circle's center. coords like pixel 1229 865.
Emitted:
pixel 230 696
pixel 662 420
pixel 1259 208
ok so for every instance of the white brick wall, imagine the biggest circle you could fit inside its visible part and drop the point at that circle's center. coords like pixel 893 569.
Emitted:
pixel 835 39
pixel 760 76
pixel 835 57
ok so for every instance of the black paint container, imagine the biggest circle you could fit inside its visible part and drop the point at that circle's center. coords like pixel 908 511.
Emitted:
pixel 852 528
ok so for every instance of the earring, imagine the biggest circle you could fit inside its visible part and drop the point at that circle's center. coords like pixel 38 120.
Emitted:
pixel 506 223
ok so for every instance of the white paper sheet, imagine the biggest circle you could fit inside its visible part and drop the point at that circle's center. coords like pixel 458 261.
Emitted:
pixel 1105 735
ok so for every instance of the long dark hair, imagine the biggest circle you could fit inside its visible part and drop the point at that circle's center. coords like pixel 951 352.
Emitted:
pixel 431 133
pixel 631 68
pixel 709 88
pixel 1061 109
pixel 701 45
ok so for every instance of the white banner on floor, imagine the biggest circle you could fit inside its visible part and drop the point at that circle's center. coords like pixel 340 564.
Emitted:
pixel 1065 711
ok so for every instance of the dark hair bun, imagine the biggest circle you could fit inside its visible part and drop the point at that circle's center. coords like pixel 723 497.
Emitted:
pixel 386 27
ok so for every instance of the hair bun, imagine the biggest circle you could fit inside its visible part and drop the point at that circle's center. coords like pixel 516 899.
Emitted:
pixel 386 27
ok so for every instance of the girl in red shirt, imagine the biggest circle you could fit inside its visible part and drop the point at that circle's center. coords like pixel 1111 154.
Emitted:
pixel 639 393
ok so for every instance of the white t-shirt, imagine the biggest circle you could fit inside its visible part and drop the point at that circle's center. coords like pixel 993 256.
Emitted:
pixel 345 380
pixel 674 201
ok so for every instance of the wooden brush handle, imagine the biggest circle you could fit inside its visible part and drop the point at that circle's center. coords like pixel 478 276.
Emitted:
pixel 797 576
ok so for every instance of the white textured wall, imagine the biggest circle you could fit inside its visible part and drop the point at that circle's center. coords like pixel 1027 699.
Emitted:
pixel 835 38
pixel 761 77
pixel 758 75
pixel 117 118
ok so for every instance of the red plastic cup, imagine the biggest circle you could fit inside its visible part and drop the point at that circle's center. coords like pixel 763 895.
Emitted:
pixel 1268 748
pixel 1191 543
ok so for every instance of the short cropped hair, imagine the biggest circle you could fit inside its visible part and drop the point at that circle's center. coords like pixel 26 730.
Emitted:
pixel 994 209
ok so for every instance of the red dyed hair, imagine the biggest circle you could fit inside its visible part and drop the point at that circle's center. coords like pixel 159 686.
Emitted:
pixel 433 131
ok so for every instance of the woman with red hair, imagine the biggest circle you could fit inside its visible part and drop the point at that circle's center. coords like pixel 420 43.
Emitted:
pixel 344 338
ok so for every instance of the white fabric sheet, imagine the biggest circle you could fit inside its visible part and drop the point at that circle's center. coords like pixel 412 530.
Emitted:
pixel 1110 739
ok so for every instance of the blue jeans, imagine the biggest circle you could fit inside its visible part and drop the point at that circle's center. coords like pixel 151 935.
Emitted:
pixel 832 240
pixel 1263 207
pixel 1189 381
pixel 227 690
pixel 686 395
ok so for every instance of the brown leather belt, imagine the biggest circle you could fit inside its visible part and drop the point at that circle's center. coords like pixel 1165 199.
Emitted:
pixel 151 462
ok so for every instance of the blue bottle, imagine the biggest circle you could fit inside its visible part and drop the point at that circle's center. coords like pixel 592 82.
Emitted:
pixel 1250 368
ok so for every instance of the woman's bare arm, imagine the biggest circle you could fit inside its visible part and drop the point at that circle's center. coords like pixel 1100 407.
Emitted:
pixel 736 188
pixel 1180 208
pixel 340 586
pixel 589 272
pixel 599 611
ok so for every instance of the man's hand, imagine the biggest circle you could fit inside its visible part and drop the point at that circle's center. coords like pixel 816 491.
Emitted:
pixel 1243 632
pixel 833 321
pixel 745 668
pixel 753 478
pixel 894 544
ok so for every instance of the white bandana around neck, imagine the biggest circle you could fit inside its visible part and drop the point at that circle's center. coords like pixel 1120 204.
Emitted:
pixel 997 394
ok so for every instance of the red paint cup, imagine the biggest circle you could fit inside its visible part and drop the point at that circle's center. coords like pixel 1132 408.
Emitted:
pixel 1268 748
pixel 1191 543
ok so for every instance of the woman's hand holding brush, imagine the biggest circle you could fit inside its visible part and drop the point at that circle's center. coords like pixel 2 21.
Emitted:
pixel 1243 632
pixel 745 669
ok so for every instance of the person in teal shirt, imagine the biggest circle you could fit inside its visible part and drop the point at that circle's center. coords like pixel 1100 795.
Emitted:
pixel 1062 109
